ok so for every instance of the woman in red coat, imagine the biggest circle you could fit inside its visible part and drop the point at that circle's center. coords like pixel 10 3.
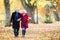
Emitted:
pixel 24 22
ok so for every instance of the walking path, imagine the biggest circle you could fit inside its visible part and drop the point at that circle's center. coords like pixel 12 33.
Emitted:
pixel 34 32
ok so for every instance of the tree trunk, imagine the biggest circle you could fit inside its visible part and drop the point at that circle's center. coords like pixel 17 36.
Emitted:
pixel 55 12
pixel 48 18
pixel 56 16
pixel 29 10
pixel 37 15
pixel 32 17
pixel 31 14
pixel 7 12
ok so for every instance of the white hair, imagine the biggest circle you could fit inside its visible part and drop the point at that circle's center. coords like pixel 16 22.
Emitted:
pixel 24 11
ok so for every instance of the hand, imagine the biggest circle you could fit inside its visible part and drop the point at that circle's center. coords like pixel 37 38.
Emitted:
pixel 19 19
pixel 11 23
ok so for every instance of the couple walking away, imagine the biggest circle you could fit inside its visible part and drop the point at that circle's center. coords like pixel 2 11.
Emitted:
pixel 15 22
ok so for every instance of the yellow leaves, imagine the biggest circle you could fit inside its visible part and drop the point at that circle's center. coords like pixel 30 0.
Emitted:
pixel 14 4
pixel 2 16
pixel 43 3
pixel 1 6
pixel 50 35
pixel 33 33
pixel 54 0
pixel 32 2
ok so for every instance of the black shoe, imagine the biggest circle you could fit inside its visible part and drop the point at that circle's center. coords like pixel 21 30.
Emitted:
pixel 23 36
pixel 16 35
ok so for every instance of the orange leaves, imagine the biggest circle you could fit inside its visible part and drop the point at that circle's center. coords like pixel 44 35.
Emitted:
pixel 42 11
pixel 59 7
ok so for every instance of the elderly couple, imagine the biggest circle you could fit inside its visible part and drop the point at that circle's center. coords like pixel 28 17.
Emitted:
pixel 18 19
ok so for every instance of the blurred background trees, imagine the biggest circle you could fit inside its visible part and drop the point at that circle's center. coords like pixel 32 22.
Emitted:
pixel 54 6
pixel 39 10
pixel 47 14
pixel 7 12
pixel 30 6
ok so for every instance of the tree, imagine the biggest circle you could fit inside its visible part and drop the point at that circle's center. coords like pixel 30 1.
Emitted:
pixel 56 13
pixel 47 14
pixel 7 12
pixel 55 10
pixel 30 7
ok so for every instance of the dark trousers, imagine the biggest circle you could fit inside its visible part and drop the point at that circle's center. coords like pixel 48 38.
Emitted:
pixel 23 31
pixel 16 32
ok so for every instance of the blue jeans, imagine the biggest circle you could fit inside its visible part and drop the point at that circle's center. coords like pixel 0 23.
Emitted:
pixel 16 32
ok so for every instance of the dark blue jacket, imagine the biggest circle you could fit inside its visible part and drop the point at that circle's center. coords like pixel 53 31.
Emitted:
pixel 16 24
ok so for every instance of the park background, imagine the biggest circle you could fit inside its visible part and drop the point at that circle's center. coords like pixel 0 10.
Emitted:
pixel 44 19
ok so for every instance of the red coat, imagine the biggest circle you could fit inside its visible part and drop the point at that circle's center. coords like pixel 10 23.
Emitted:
pixel 24 20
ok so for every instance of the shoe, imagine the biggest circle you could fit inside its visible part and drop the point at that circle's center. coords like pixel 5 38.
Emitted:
pixel 23 36
pixel 16 35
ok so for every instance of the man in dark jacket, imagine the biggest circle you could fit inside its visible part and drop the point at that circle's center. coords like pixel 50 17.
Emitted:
pixel 15 21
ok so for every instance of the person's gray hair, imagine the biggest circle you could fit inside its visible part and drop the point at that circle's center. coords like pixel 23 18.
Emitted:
pixel 25 11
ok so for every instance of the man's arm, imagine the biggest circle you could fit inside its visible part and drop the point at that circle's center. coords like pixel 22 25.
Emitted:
pixel 20 17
